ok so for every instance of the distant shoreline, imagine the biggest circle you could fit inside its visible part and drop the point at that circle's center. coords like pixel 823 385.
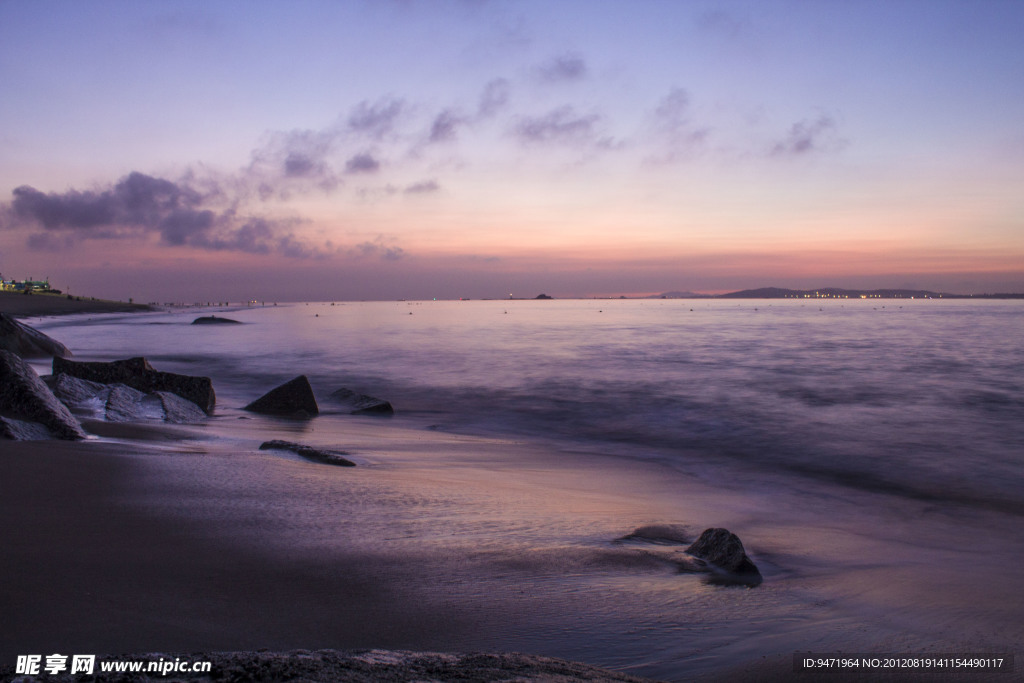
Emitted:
pixel 33 305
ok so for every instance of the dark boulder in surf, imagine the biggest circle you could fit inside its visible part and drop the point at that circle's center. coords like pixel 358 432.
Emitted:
pixel 723 550
pixel 27 342
pixel 214 320
pixel 309 453
pixel 292 399
pixel 24 397
pixel 138 374
pixel 361 404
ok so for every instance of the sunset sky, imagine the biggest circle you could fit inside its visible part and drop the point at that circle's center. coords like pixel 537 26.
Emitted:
pixel 181 151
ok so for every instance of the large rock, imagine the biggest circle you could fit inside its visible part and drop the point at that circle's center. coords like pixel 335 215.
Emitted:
pixel 121 403
pixel 294 398
pixel 24 397
pixel 723 549
pixel 138 374
pixel 24 341
pixel 310 453
pixel 361 403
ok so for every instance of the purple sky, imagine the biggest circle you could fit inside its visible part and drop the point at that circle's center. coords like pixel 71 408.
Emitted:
pixel 413 149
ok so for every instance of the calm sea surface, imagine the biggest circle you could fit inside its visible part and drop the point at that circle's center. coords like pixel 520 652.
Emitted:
pixel 917 398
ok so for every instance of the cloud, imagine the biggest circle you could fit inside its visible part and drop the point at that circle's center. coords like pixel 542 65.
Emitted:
pixel 140 205
pixel 424 187
pixel 378 248
pixel 809 136
pixel 376 120
pixel 559 126
pixel 362 163
pixel 494 98
pixel 678 137
pixel 446 125
pixel 562 69
pixel 293 161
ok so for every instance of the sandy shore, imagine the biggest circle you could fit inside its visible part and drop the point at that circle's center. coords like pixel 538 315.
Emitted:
pixel 192 540
pixel 35 305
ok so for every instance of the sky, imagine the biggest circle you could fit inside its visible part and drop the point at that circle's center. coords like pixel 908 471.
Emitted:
pixel 389 149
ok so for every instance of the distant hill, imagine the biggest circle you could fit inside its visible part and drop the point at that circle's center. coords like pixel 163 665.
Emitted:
pixel 679 295
pixel 836 293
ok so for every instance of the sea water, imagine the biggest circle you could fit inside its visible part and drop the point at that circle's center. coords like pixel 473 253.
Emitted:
pixel 868 452
pixel 916 398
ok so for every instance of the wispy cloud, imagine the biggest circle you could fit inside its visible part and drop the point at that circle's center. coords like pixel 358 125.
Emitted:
pixel 376 120
pixel 424 187
pixel 378 248
pixel 362 163
pixel 562 69
pixel 809 136
pixel 559 126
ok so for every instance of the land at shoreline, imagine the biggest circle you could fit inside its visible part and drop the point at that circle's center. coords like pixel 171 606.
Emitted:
pixel 36 305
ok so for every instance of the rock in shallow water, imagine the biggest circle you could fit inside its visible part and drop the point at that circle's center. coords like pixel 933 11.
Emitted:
pixel 724 550
pixel 23 396
pixel 361 404
pixel 138 374
pixel 291 399
pixel 310 453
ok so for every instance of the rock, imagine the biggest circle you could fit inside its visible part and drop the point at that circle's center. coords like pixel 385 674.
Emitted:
pixel 178 410
pixel 80 395
pixel 214 320
pixel 363 404
pixel 294 398
pixel 121 403
pixel 723 549
pixel 23 396
pixel 138 374
pixel 24 341
pixel 310 453
pixel 19 430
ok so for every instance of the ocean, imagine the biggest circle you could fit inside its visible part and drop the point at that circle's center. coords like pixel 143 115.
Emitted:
pixel 870 453
pixel 915 398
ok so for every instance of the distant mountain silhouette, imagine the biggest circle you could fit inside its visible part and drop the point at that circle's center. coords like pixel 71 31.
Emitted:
pixel 837 293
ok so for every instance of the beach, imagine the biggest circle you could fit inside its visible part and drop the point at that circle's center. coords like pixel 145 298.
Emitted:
pixel 155 538
pixel 36 304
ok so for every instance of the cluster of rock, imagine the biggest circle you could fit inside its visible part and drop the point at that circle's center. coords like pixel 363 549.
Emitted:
pixel 132 390
pixel 717 553
pixel 138 374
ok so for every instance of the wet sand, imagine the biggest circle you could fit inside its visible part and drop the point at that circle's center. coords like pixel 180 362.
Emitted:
pixel 191 539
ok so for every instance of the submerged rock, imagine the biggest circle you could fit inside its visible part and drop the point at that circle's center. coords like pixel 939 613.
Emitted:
pixel 214 320
pixel 138 374
pixel 24 397
pixel 27 342
pixel 358 404
pixel 659 533
pixel 294 398
pixel 310 453
pixel 723 549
